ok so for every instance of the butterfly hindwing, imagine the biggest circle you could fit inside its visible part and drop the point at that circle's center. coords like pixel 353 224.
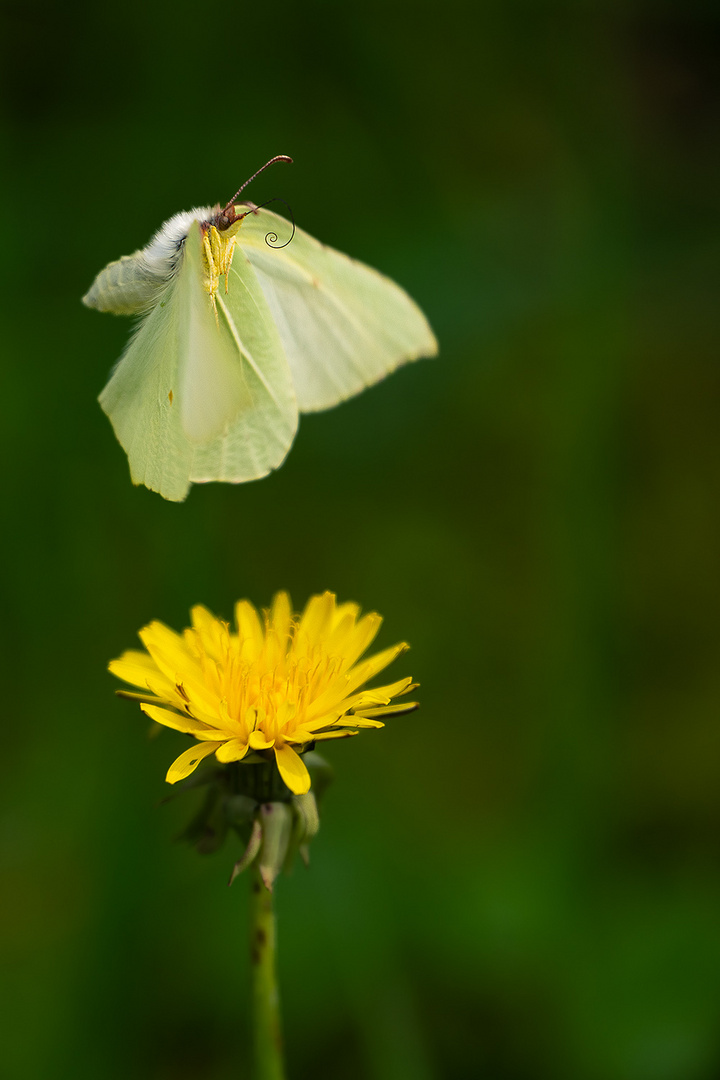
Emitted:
pixel 125 287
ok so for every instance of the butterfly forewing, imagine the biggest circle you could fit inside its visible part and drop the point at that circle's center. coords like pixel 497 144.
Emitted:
pixel 185 400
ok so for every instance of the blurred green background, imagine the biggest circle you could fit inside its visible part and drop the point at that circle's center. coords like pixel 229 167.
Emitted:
pixel 522 880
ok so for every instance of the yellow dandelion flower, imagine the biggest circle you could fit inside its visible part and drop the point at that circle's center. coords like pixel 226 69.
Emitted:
pixel 271 686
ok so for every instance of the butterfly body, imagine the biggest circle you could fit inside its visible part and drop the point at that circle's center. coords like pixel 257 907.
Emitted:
pixel 236 338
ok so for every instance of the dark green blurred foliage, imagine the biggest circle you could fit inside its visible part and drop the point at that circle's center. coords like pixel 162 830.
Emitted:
pixel 522 880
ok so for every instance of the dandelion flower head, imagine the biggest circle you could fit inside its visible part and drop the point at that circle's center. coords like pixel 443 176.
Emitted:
pixel 270 686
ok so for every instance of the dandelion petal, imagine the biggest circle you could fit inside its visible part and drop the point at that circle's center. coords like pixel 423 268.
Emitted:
pixel 189 761
pixel 292 769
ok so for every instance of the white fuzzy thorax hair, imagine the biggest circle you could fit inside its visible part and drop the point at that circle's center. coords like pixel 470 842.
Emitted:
pixel 161 254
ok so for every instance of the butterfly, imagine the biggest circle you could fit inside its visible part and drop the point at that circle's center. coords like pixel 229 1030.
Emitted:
pixel 237 335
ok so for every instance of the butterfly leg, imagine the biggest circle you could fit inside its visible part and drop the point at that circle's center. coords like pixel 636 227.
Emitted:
pixel 211 282
pixel 227 261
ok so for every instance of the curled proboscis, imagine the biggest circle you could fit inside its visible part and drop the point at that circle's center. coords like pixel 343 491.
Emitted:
pixel 271 238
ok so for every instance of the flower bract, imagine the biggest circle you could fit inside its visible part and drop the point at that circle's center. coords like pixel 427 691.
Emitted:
pixel 267 686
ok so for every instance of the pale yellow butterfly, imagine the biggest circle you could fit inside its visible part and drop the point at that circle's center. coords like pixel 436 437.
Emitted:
pixel 237 336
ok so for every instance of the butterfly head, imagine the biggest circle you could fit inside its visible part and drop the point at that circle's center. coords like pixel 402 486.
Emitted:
pixel 219 234
pixel 227 220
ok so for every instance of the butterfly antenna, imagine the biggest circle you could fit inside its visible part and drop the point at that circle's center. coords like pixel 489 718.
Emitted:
pixel 279 157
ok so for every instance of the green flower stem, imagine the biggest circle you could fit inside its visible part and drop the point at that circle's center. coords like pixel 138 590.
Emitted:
pixel 267 1034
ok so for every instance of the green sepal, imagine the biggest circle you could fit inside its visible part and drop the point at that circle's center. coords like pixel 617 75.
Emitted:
pixel 306 822
pixel 250 851
pixel 272 823
pixel 276 819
